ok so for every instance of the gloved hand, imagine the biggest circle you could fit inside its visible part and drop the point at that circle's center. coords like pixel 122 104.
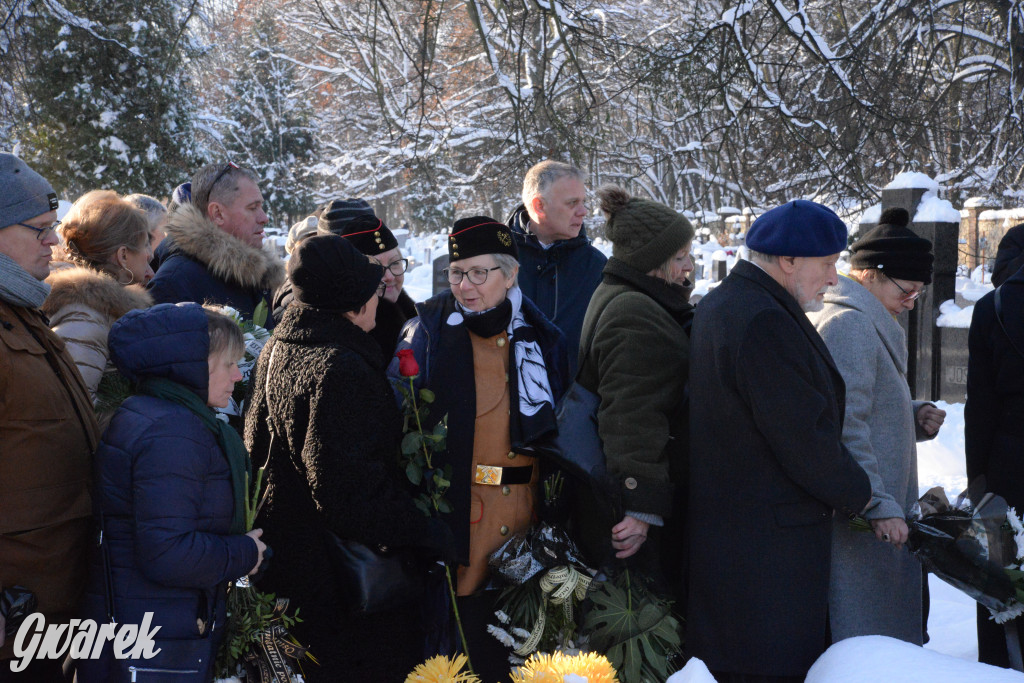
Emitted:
pixel 440 540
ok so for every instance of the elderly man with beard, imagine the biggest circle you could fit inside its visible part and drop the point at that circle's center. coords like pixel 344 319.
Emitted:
pixel 767 467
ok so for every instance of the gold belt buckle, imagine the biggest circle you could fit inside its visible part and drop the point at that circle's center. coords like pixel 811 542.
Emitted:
pixel 488 475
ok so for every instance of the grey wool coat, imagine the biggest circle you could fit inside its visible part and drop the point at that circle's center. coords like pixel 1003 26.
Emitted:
pixel 874 589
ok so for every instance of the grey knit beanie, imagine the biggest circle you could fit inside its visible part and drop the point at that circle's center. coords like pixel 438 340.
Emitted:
pixel 24 194
pixel 644 233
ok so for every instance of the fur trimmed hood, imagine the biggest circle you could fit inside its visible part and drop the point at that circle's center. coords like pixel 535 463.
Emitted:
pixel 224 256
pixel 71 284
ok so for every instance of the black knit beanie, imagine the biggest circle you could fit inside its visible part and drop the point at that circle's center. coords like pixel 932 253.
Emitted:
pixel 328 272
pixel 337 214
pixel 644 233
pixel 894 249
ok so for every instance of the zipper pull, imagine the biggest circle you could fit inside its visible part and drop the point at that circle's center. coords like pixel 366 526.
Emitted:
pixel 133 672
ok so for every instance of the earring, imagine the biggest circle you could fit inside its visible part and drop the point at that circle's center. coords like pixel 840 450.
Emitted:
pixel 131 276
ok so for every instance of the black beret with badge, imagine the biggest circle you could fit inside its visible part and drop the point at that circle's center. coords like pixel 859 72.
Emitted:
pixel 480 235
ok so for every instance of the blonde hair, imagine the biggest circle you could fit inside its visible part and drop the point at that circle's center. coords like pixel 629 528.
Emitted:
pixel 225 335
pixel 99 223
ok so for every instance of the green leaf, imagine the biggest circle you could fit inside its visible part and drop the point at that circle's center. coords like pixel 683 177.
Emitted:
pixel 423 506
pixel 427 395
pixel 444 506
pixel 411 443
pixel 414 472
pixel 259 316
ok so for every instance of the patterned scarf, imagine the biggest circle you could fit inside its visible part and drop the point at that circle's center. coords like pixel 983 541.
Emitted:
pixel 18 288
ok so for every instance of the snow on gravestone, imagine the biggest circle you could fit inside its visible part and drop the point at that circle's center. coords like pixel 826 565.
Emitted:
pixel 879 658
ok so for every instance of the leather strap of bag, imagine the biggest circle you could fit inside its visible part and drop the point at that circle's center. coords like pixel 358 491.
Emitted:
pixel 999 317
pixel 270 424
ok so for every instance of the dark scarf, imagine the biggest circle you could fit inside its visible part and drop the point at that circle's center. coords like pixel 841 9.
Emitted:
pixel 491 322
pixel 227 438
pixel 675 299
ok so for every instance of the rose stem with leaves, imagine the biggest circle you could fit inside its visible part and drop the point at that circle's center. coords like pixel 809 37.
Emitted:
pixel 433 500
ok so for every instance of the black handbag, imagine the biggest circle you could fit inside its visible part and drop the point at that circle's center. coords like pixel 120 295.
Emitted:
pixel 372 581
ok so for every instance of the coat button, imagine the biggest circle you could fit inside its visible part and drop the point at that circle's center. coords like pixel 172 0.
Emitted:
pixel 504 530
pixel 501 342
pixel 630 483
pixel 511 455
pixel 505 490
pixel 540 268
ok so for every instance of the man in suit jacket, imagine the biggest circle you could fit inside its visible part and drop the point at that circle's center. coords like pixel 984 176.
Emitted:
pixel 767 467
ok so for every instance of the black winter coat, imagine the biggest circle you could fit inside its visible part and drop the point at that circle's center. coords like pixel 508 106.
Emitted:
pixel 332 465
pixel 993 428
pixel 767 469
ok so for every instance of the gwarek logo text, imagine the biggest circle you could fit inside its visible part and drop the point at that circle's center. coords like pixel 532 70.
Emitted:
pixel 82 639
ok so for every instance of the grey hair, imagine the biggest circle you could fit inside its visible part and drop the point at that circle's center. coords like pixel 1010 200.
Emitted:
pixel 509 266
pixel 204 190
pixel 763 258
pixel 541 176
pixel 151 206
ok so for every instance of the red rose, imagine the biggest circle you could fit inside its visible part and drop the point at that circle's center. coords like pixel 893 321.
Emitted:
pixel 407 364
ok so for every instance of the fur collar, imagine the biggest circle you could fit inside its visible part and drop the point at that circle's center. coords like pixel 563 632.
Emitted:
pixel 226 257
pixel 71 285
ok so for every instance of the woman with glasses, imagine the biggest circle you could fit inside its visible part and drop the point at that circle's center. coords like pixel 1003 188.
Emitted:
pixel 98 275
pixel 497 367
pixel 322 417
pixel 874 589
pixel 370 236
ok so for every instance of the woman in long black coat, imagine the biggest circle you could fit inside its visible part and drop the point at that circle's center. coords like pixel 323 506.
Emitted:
pixel 323 416
pixel 993 427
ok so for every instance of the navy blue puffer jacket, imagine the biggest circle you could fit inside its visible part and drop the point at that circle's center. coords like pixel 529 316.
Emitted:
pixel 163 488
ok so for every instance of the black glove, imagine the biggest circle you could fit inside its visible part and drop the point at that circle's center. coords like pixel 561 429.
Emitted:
pixel 16 603
pixel 262 569
pixel 440 540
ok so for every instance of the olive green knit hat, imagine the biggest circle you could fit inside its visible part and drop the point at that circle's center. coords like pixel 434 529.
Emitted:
pixel 644 233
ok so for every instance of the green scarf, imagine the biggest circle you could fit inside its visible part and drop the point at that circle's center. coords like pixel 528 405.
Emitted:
pixel 228 439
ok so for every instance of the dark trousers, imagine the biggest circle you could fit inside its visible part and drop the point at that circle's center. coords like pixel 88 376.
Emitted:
pixel 38 671
pixel 992 640
pixel 488 656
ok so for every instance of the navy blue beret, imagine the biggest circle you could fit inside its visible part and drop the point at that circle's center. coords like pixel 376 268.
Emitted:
pixel 798 228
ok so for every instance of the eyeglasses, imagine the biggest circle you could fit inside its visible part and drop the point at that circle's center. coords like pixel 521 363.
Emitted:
pixel 381 288
pixel 230 165
pixel 42 233
pixel 907 296
pixel 398 267
pixel 477 276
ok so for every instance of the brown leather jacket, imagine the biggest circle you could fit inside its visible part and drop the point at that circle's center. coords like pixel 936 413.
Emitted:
pixel 47 436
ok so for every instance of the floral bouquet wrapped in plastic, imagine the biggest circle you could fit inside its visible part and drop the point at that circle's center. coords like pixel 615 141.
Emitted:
pixel 976 547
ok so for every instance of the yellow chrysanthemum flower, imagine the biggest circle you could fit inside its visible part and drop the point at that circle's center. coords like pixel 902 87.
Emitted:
pixel 562 668
pixel 441 669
